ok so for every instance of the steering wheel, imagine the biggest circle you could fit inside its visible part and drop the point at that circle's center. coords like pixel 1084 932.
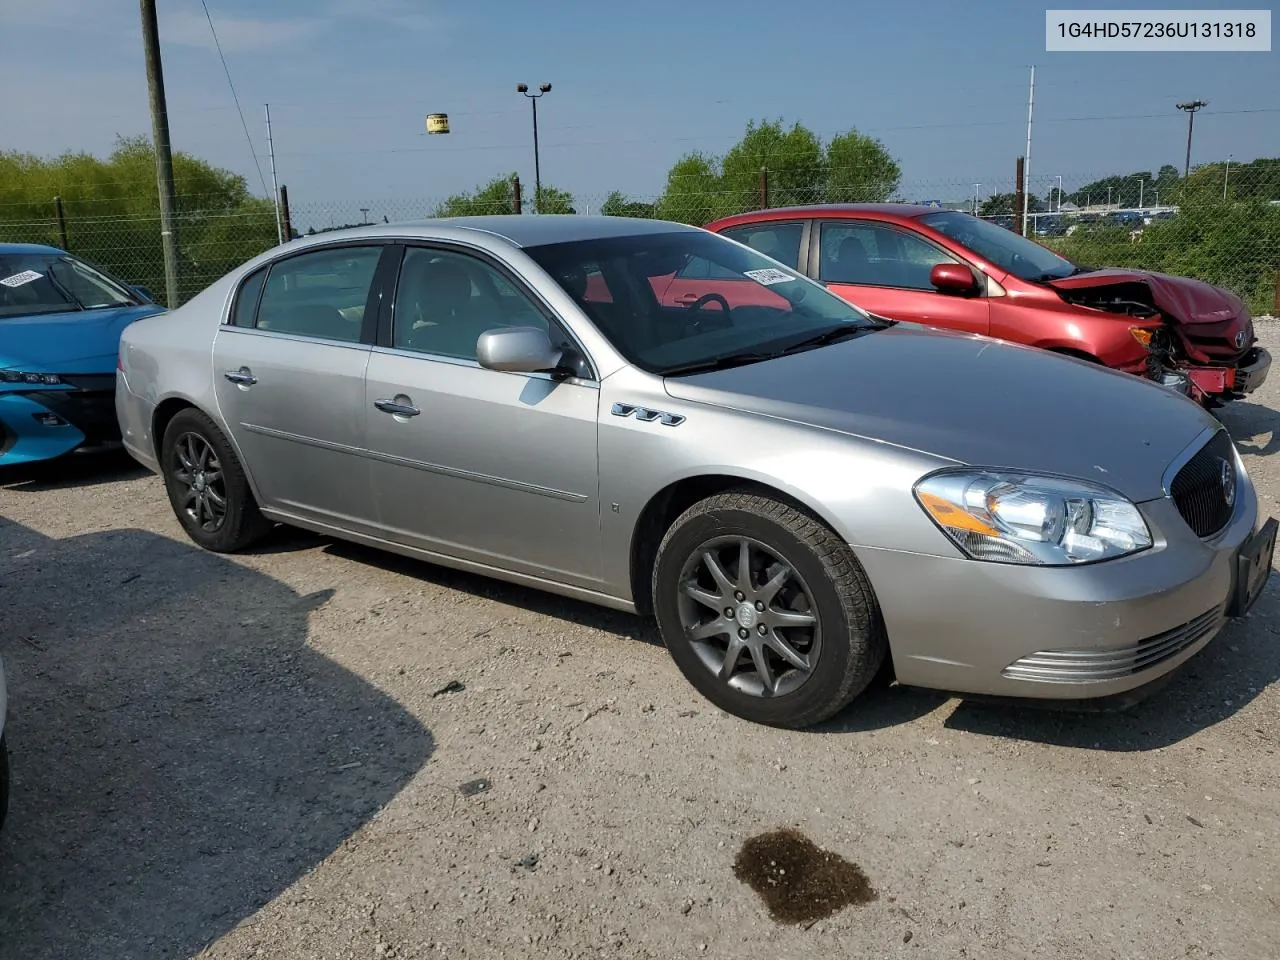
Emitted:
pixel 706 298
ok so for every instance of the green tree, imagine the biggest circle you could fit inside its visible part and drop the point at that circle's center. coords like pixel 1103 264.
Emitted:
pixel 801 169
pixel 794 159
pixel 618 205
pixel 112 210
pixel 495 197
pixel 498 197
pixel 1122 189
pixel 1002 204
pixel 694 194
pixel 859 170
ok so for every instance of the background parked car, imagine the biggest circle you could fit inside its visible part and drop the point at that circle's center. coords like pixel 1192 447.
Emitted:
pixel 60 323
pixel 513 396
pixel 949 269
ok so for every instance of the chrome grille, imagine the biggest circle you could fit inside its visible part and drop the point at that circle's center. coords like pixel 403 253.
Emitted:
pixel 1115 663
pixel 1198 490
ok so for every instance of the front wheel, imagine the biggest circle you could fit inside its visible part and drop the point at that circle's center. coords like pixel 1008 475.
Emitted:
pixel 766 611
pixel 207 486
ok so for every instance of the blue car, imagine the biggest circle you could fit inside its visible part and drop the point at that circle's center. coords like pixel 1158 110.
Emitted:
pixel 60 323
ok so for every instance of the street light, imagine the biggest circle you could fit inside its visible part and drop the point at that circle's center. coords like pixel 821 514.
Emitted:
pixel 1225 174
pixel 975 198
pixel 1141 184
pixel 1059 193
pixel 1191 106
pixel 537 171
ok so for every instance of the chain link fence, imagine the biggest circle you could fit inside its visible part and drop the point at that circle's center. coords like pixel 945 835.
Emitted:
pixel 1221 226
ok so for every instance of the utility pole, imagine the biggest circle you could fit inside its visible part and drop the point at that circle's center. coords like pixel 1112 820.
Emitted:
pixel 1191 106
pixel 1026 194
pixel 1226 173
pixel 975 198
pixel 164 160
pixel 275 184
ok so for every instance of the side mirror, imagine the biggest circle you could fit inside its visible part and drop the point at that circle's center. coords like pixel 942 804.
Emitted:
pixel 953 278
pixel 143 292
pixel 517 350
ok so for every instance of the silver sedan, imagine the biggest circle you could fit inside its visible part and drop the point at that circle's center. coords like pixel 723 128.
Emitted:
pixel 658 419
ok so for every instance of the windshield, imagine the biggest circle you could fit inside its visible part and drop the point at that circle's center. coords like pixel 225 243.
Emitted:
pixel 674 302
pixel 1023 258
pixel 34 283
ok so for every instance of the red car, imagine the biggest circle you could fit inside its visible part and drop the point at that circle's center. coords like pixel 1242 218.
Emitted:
pixel 948 269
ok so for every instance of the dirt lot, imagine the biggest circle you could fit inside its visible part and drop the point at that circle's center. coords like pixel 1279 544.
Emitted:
pixel 251 757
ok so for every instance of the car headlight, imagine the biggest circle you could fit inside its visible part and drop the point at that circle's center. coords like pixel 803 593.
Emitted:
pixel 1019 518
pixel 15 376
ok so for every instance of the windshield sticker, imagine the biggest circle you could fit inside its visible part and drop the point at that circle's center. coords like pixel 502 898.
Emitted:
pixel 768 276
pixel 18 279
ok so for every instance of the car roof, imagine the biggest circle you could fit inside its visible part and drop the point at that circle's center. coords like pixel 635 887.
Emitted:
pixel 20 248
pixel 836 210
pixel 517 229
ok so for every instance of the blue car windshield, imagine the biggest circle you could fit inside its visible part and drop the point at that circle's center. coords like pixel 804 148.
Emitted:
pixel 35 283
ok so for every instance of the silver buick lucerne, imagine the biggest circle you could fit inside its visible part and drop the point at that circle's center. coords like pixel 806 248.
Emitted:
pixel 654 418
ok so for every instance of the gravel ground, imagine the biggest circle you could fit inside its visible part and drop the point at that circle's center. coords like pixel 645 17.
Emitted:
pixel 261 756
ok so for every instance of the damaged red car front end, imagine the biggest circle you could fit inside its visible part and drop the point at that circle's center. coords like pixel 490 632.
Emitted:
pixel 1200 338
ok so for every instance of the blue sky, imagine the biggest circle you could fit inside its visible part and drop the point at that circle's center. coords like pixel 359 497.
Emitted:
pixel 634 86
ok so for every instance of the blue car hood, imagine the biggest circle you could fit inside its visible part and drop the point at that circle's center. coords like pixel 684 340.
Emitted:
pixel 79 341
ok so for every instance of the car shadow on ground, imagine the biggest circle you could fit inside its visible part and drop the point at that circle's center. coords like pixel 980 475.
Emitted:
pixel 1217 683
pixel 1254 427
pixel 180 755
pixel 626 626
pixel 87 469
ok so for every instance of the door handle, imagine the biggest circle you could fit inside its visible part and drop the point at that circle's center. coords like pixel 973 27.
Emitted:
pixel 397 408
pixel 243 377
pixel 686 298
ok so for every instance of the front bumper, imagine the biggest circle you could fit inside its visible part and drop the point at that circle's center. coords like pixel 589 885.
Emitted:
pixel 32 428
pixel 1227 382
pixel 1065 633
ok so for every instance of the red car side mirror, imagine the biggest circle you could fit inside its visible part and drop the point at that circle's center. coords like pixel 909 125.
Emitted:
pixel 953 278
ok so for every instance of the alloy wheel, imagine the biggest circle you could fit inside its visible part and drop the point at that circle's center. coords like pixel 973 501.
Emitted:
pixel 198 472
pixel 749 616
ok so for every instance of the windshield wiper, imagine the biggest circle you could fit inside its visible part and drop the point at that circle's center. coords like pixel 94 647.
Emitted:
pixel 53 281
pixel 721 363
pixel 835 334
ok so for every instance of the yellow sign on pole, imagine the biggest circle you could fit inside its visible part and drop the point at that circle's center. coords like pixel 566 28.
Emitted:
pixel 437 123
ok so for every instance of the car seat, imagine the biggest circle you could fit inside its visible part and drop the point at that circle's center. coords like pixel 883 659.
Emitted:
pixel 435 311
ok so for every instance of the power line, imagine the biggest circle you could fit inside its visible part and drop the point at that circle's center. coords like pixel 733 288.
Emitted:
pixel 227 70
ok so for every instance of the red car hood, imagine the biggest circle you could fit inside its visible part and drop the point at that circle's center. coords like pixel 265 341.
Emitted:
pixel 1180 299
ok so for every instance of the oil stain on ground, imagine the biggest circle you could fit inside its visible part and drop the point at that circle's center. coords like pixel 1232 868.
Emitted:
pixel 798 881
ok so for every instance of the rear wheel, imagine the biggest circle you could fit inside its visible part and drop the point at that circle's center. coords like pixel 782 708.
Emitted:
pixel 207 486
pixel 766 611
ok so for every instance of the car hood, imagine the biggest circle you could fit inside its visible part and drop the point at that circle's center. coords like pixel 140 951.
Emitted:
pixel 972 400
pixel 1180 299
pixel 79 341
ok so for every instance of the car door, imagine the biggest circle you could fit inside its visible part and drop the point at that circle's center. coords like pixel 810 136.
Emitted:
pixel 289 369
pixel 490 467
pixel 885 269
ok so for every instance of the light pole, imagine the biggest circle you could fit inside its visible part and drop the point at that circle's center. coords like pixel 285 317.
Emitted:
pixel 1191 106
pixel 1225 174
pixel 537 171
pixel 975 198
pixel 364 215
pixel 1059 193
pixel 1141 184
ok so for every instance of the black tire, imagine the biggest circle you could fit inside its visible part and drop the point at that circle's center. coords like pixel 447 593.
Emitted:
pixel 853 645
pixel 242 523
pixel 4 779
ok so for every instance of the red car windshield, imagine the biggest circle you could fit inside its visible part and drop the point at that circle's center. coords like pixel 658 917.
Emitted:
pixel 34 283
pixel 1023 258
